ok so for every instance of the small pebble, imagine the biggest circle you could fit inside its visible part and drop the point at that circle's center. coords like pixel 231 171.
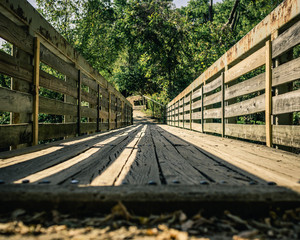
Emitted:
pixel 44 182
pixel 176 181
pixel 252 183
pixel 152 183
pixel 204 182
pixel 25 181
pixel 271 183
pixel 74 181
pixel 2 182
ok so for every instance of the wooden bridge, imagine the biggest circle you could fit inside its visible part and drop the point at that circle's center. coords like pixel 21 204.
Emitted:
pixel 198 157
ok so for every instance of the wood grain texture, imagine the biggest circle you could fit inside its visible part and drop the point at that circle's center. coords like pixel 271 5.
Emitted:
pixel 253 105
pixel 196 105
pixel 57 63
pixel 15 34
pixel 197 93
pixel 56 130
pixel 15 134
pixel 50 82
pixel 213 128
pixel 248 86
pixel 208 87
pixel 268 94
pixel 11 99
pixel 251 132
pixel 212 113
pixel 10 66
pixel 286 72
pixel 286 103
pixel 212 99
pixel 252 62
pixel 286 40
pixel 286 135
pixel 56 107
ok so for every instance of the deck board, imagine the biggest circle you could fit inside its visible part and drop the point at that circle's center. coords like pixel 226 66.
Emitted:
pixel 152 154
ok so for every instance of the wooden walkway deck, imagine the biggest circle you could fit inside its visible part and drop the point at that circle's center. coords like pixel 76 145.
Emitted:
pixel 150 154
pixel 150 168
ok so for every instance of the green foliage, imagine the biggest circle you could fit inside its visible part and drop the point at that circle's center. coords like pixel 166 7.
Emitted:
pixel 148 46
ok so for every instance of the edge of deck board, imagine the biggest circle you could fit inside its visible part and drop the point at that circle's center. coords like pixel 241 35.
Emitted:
pixel 148 199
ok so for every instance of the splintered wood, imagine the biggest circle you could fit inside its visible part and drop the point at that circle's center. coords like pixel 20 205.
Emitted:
pixel 149 154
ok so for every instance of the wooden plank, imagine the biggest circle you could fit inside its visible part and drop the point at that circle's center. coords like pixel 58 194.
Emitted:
pixel 87 127
pixel 10 66
pixel 36 162
pixel 87 97
pixel 212 99
pixel 212 168
pixel 79 102
pixel 91 83
pixel 197 93
pixel 286 72
pixel 91 112
pixel 88 167
pixel 50 82
pixel 56 107
pixel 253 105
pixel 143 166
pixel 15 101
pixel 286 135
pixel 223 103
pixel 36 86
pixel 245 131
pixel 196 104
pixel 173 166
pixel 15 134
pixel 197 126
pixel 196 115
pixel 286 103
pixel 287 40
pixel 252 62
pixel 251 85
pixel 268 94
pixel 208 87
pixel 202 108
pixel 56 130
pixel 116 172
pixel 57 63
pixel 213 127
pixel 15 34
pixel 212 113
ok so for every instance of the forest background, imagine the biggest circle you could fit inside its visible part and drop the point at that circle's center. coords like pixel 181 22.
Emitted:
pixel 150 47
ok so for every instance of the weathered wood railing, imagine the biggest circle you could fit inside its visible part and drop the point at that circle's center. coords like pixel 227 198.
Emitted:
pixel 87 102
pixel 225 93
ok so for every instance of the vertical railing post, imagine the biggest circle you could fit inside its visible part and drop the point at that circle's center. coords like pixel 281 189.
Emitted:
pixel 202 108
pixel 183 111
pixel 109 109
pixel 79 103
pixel 191 116
pixel 178 103
pixel 36 83
pixel 116 110
pixel 98 108
pixel 268 94
pixel 222 103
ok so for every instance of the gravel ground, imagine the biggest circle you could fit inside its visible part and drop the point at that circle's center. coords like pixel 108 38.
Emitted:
pixel 120 224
